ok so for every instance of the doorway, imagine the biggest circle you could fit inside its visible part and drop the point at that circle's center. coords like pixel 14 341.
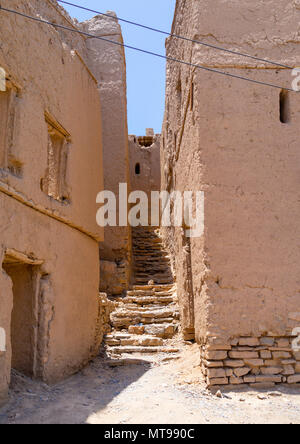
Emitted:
pixel 24 276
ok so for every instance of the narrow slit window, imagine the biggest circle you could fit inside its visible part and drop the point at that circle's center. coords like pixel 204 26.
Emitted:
pixel 138 169
pixel 284 105
pixel 192 96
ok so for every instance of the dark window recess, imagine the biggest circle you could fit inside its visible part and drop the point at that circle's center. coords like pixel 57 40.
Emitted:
pixel 192 96
pixel 54 184
pixel 284 103
pixel 138 169
pixel 8 160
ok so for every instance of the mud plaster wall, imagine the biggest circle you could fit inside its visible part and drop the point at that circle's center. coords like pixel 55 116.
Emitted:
pixel 108 64
pixel 148 159
pixel 224 137
pixel 49 75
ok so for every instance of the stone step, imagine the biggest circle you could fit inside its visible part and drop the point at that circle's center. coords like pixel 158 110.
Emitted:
pixel 136 340
pixel 149 311
pixel 121 323
pixel 159 266
pixel 115 362
pixel 148 308
pixel 161 281
pixel 155 287
pixel 153 276
pixel 147 300
pixel 164 331
pixel 150 269
pixel 147 248
pixel 162 262
pixel 142 294
pixel 159 312
pixel 138 349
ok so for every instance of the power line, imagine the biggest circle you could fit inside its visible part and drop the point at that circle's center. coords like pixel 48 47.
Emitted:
pixel 177 36
pixel 235 76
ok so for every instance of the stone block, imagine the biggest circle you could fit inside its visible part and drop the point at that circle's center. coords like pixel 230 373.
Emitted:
pixel 250 342
pixel 235 381
pixel 243 355
pixel 239 372
pixel 213 364
pixel 288 362
pixel 136 330
pixel 265 354
pixel 295 379
pixel 217 381
pixel 283 343
pixel 271 370
pixel 254 362
pixel 269 378
pixel 233 363
pixel 216 373
pixel 212 355
pixel 281 355
pixel 267 341
pixel 249 379
pixel 272 362
pixel 288 370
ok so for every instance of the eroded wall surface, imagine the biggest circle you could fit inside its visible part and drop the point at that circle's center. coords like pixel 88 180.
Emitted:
pixel 225 137
pixel 50 173
pixel 107 62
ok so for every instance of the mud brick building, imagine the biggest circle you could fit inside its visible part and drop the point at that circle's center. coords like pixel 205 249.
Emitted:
pixel 238 285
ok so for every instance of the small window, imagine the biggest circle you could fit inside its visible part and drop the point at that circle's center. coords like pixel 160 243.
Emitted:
pixel 138 169
pixel 4 113
pixel 54 184
pixel 284 104
pixel 192 96
pixel 8 161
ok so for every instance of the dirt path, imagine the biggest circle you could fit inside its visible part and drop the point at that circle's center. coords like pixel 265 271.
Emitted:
pixel 166 394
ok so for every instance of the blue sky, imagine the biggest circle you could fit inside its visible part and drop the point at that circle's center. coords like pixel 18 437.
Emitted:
pixel 145 74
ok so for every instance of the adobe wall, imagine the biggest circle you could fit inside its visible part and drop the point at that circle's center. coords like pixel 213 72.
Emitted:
pixel 224 137
pixel 48 74
pixel 144 154
pixel 107 62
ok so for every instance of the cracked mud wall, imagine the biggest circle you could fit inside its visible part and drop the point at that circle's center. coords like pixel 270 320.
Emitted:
pixel 224 137
pixel 107 62
pixel 51 82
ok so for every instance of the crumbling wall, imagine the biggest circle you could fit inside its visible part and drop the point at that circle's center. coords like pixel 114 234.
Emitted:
pixel 53 95
pixel 225 137
pixel 107 62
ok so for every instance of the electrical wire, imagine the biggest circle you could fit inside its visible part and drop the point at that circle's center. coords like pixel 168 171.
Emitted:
pixel 219 48
pixel 77 31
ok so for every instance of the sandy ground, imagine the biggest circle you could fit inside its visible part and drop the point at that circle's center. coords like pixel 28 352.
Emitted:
pixel 170 393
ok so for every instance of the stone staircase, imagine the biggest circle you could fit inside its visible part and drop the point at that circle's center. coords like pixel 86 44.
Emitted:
pixel 151 262
pixel 146 320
